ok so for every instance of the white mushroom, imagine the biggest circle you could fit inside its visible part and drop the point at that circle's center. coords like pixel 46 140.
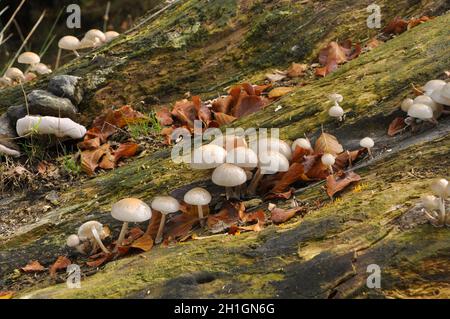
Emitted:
pixel 15 75
pixel 29 58
pixel 328 160
pixel 130 210
pixel 420 111
pixel 275 145
pixel 208 156
pixel 440 188
pixel 303 143
pixel 442 95
pixel 6 151
pixel 60 127
pixel 269 163
pixel 41 68
pixel 336 98
pixel 337 112
pixel 406 104
pixel 94 34
pixel 73 241
pixel 367 143
pixel 229 176
pixel 242 157
pixel 111 35
pixel 432 85
pixel 165 205
pixel 93 231
pixel 198 197
pixel 229 141
pixel 69 43
pixel 435 107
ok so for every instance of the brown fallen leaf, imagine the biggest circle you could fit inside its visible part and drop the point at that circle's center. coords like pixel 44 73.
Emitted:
pixel 257 219
pixel 125 150
pixel 284 195
pixel 224 119
pixel 373 43
pixel 280 91
pixel 164 116
pixel 346 158
pixel 296 70
pixel 248 104
pixel 226 217
pixel 33 266
pixel 144 243
pixel 396 126
pixel 6 294
pixel 100 260
pixel 335 185
pixel 276 76
pixel 90 159
pixel 179 227
pixel 396 26
pixel 108 161
pixel 334 54
pixel 185 112
pixel 153 225
pixel 90 144
pixel 280 215
pixel 61 263
pixel 327 143
pixel 223 104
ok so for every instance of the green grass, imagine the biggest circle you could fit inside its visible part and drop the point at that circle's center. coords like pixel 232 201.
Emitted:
pixel 145 128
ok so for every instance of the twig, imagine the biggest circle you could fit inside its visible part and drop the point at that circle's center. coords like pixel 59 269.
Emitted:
pixel 106 16
pixel 19 31
pixel 12 17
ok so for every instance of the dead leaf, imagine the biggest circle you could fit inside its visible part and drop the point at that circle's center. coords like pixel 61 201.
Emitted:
pixel 396 126
pixel 396 26
pixel 280 215
pixel 108 161
pixel 101 260
pixel 334 185
pixel 223 104
pixel 226 217
pixel 6 294
pixel 373 43
pixel 334 54
pixel 33 266
pixel 257 219
pixel 224 119
pixel 180 226
pixel 344 159
pixel 153 226
pixel 61 263
pixel 280 91
pixel 125 150
pixel 327 143
pixel 144 243
pixel 284 195
pixel 164 116
pixel 90 144
pixel 248 104
pixel 90 159
pixel 296 70
pixel 185 112
pixel 276 76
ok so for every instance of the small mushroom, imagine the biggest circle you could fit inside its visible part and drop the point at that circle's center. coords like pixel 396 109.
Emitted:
pixel 242 157
pixel 69 43
pixel 5 81
pixel 275 145
pixel 430 202
pixel 337 112
pixel 368 143
pixel 198 197
pixel 111 35
pixel 230 141
pixel 93 231
pixel 336 98
pixel 303 143
pixel 15 75
pixel 29 58
pixel 60 127
pixel 73 241
pixel 440 188
pixel 130 210
pixel 88 43
pixel 41 68
pixel 94 34
pixel 269 163
pixel 420 111
pixel 406 104
pixel 433 85
pixel 229 176
pixel 442 95
pixel 328 160
pixel 208 156
pixel 165 205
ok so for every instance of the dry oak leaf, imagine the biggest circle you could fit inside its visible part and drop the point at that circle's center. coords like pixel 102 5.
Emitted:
pixel 228 215
pixel 296 70
pixel 396 26
pixel 119 118
pixel 125 150
pixel 334 54
pixel 223 104
pixel 280 215
pixel 90 159
pixel 327 143
pixel 89 144
pixel 33 266
pixel 396 126
pixel 164 116
pixel 248 104
pixel 179 227
pixel 334 185
pixel 347 158
pixel 100 259
pixel 144 243
pixel 223 119
pixel 61 263
pixel 280 91
pixel 185 112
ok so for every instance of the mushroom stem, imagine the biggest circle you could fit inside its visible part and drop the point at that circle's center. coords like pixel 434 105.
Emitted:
pixel 99 241
pixel 255 181
pixel 350 163
pixel 330 168
pixel 159 235
pixel 370 153
pixel 122 234
pixel 200 215
pixel 229 192
pixel 442 209
pixel 58 58
pixel 76 53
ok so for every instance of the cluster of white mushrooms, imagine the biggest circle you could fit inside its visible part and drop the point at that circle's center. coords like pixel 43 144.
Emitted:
pixel 33 66
pixel 434 205
pixel 94 38
pixel 133 210
pixel 429 106
pixel 336 110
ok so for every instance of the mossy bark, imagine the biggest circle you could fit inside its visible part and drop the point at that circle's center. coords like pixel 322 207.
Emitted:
pixel 326 253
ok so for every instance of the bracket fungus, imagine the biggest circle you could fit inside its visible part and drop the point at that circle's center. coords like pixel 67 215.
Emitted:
pixel 165 205
pixel 435 206
pixel 367 143
pixel 229 176
pixel 198 197
pixel 130 210
pixel 270 162
pixel 59 127
pixel 93 231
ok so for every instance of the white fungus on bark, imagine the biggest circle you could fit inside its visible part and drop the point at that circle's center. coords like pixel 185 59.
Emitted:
pixel 43 125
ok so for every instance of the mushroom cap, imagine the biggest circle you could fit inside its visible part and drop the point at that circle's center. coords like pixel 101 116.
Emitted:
pixel 85 230
pixel 4 150
pixel 68 42
pixel 41 68
pixel 4 80
pixel 165 204
pixel 86 43
pixel 242 157
pixel 303 143
pixel 110 35
pixel 228 175
pixel 432 85
pixel 445 91
pixel 438 96
pixel 230 141
pixel 197 196
pixel 336 98
pixel 430 202
pixel 29 58
pixel 328 159
pixel 14 74
pixel 131 210
pixel 208 156
pixel 95 33
pixel 272 162
pixel 275 145
pixel 336 111
pixel 439 187
pixel 73 240
pixel 420 111
pixel 367 142
pixel 406 104
pixel 425 99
